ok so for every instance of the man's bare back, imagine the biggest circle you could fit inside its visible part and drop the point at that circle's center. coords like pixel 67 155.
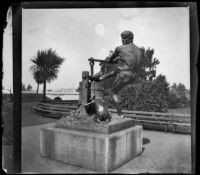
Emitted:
pixel 129 56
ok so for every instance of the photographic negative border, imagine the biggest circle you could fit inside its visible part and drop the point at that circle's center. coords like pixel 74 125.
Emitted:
pixel 17 58
pixel 17 68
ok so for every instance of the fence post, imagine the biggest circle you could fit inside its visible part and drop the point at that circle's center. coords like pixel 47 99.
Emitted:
pixel 85 88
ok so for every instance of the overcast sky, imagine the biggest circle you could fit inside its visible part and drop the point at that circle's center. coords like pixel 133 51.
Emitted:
pixel 78 34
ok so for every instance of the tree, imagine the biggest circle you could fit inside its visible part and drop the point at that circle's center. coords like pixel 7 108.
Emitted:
pixel 161 92
pixel 153 95
pixel 174 87
pixel 29 87
pixel 179 96
pixel 147 67
pixel 181 90
pixel 173 101
pixel 128 98
pixel 47 64
pixel 37 75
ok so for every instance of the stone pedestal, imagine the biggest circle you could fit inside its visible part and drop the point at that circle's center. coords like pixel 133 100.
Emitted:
pixel 96 151
pixel 116 124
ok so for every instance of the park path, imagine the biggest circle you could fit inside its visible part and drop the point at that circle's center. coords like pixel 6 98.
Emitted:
pixel 163 153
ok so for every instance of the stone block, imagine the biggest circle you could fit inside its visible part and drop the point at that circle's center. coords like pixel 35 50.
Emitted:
pixel 95 151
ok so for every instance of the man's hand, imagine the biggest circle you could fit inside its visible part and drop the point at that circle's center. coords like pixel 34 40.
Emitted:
pixel 94 78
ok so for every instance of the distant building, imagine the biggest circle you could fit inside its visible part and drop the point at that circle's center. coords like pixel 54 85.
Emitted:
pixel 63 91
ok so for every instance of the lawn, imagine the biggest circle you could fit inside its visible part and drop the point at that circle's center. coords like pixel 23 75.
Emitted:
pixel 30 97
pixel 29 118
pixel 7 120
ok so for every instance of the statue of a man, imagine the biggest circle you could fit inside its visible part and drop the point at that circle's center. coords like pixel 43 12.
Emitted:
pixel 128 56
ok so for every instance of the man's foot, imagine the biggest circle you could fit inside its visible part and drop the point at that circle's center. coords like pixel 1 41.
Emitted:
pixel 92 78
pixel 100 122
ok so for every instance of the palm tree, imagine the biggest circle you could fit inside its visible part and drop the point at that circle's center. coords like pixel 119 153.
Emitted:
pixel 46 64
pixel 38 78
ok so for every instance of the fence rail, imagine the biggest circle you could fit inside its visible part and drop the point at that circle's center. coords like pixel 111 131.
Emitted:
pixel 150 120
pixel 71 102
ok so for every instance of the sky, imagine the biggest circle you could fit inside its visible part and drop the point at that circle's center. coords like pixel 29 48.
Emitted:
pixel 78 34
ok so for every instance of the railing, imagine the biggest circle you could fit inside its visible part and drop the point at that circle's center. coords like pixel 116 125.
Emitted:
pixel 155 120
pixel 150 120
pixel 53 110
pixel 70 102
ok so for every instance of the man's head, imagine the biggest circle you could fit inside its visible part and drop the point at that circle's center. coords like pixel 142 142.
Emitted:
pixel 127 37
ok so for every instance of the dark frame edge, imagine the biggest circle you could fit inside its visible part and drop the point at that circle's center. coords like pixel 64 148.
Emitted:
pixel 100 4
pixel 194 45
pixel 17 58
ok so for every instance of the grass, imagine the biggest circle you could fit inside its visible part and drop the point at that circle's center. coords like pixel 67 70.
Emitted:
pixel 7 119
pixel 29 118
pixel 30 97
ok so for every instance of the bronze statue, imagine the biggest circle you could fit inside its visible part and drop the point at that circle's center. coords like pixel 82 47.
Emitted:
pixel 128 57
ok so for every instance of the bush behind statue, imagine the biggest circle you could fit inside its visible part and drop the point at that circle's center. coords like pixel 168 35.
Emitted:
pixel 147 96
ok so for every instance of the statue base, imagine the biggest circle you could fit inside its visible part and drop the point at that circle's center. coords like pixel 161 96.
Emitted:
pixel 96 151
pixel 88 124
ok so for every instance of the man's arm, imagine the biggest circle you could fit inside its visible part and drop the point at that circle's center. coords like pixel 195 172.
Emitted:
pixel 114 55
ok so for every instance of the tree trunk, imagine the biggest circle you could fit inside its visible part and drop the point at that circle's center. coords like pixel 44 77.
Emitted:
pixel 37 88
pixel 44 91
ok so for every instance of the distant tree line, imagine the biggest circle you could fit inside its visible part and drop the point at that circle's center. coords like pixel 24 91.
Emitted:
pixel 179 96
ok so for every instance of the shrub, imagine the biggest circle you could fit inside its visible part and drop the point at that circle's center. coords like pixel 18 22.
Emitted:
pixel 149 96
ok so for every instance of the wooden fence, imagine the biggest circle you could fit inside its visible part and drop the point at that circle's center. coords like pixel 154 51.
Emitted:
pixel 154 120
pixel 63 102
pixel 150 120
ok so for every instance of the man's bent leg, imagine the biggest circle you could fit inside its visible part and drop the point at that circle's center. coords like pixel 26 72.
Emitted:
pixel 105 76
pixel 116 104
pixel 108 75
pixel 116 87
pixel 120 82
